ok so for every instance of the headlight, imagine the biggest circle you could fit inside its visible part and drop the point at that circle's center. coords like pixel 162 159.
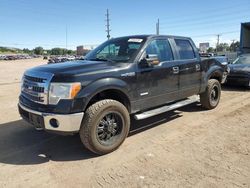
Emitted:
pixel 59 91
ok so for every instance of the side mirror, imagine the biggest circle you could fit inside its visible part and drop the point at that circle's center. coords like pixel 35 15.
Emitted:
pixel 152 59
pixel 225 63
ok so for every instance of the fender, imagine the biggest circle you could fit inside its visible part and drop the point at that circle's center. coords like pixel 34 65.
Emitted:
pixel 214 70
pixel 100 85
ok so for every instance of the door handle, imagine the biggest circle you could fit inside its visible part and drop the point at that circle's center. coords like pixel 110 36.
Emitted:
pixel 176 70
pixel 198 67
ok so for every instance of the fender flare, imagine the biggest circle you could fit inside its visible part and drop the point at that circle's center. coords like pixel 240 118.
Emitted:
pixel 98 86
pixel 213 70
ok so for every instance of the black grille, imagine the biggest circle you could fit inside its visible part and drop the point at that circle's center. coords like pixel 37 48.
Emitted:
pixel 33 88
pixel 32 97
pixel 34 79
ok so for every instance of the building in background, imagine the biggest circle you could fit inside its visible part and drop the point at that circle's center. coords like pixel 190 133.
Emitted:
pixel 204 47
pixel 81 51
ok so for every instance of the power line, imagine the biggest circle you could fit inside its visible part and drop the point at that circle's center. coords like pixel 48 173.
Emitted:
pixel 213 34
pixel 206 26
pixel 208 13
pixel 204 21
pixel 108 24
pixel 221 22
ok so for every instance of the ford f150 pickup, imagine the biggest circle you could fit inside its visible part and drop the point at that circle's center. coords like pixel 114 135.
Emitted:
pixel 138 76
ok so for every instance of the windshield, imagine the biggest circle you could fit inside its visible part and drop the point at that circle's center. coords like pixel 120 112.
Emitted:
pixel 116 50
pixel 221 59
pixel 244 59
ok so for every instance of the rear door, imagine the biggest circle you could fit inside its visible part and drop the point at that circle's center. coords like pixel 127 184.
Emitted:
pixel 189 67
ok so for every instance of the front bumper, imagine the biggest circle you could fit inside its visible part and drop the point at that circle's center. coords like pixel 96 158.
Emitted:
pixel 61 123
pixel 225 75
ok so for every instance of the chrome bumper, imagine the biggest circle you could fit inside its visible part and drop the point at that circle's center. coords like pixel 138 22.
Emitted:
pixel 225 74
pixel 66 123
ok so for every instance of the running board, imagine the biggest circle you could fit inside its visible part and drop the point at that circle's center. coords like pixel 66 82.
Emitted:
pixel 167 108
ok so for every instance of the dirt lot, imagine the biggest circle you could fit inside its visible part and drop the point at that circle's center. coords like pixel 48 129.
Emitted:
pixel 185 148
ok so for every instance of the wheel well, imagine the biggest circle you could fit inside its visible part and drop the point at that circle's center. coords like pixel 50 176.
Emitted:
pixel 216 75
pixel 111 94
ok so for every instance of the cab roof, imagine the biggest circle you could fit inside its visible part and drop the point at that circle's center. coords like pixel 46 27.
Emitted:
pixel 153 36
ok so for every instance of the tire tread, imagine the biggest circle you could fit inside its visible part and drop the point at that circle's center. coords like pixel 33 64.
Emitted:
pixel 204 97
pixel 88 119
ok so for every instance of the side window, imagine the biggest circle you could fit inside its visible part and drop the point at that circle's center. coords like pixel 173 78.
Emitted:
pixel 185 49
pixel 161 48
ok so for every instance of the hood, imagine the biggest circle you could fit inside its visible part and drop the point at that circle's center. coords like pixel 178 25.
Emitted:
pixel 76 67
pixel 240 68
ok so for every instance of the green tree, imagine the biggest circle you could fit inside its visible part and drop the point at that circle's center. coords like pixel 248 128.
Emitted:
pixel 222 47
pixel 57 51
pixel 70 52
pixel 26 51
pixel 234 46
pixel 210 50
pixel 61 51
pixel 38 50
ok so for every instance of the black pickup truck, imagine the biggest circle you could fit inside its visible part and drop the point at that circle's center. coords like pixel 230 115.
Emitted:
pixel 138 76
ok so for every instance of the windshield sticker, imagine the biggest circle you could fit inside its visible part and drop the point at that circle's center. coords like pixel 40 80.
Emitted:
pixel 135 40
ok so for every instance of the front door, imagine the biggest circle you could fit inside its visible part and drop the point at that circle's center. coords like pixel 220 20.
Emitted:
pixel 158 84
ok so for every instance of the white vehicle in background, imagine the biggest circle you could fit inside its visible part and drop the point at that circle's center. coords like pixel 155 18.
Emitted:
pixel 2 57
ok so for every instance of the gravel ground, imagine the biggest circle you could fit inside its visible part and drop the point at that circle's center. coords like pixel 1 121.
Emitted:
pixel 189 147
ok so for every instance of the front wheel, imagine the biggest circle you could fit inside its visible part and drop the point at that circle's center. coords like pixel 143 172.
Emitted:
pixel 105 126
pixel 211 97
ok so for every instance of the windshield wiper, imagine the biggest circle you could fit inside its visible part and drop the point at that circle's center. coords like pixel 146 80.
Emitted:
pixel 100 59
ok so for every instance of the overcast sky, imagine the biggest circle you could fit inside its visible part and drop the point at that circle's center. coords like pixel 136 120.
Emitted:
pixel 31 23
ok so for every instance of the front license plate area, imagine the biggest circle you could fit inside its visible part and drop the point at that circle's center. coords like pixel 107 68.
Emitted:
pixel 36 120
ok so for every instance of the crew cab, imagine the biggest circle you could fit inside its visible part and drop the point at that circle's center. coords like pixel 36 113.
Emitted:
pixel 140 76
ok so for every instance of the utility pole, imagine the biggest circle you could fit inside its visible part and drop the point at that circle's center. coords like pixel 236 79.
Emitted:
pixel 232 47
pixel 218 42
pixel 66 35
pixel 158 27
pixel 108 24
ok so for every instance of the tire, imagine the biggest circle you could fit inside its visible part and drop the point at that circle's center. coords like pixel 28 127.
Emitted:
pixel 105 126
pixel 211 97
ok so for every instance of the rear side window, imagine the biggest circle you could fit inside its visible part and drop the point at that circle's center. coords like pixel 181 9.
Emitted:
pixel 161 48
pixel 185 49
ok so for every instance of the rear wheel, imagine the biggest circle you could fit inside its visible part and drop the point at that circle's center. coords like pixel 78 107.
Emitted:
pixel 211 97
pixel 105 126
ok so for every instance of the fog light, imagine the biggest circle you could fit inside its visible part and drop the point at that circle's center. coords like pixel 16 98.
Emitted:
pixel 54 123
